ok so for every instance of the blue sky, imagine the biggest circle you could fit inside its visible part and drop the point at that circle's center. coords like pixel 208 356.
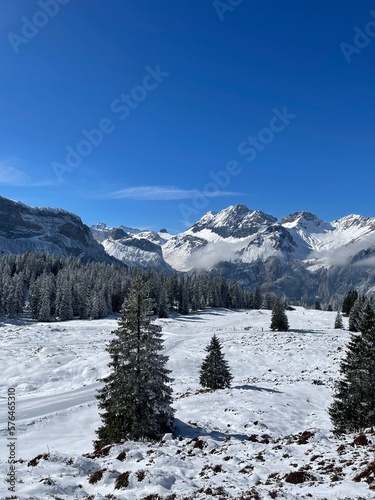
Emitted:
pixel 149 114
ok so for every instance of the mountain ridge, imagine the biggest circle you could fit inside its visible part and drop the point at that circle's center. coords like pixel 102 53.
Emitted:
pixel 50 230
pixel 299 256
pixel 297 253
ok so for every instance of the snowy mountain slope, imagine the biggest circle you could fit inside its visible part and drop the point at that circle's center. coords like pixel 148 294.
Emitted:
pixel 238 234
pixel 262 436
pixel 138 252
pixel 50 230
pixel 247 235
pixel 137 248
pixel 301 256
pixel 101 231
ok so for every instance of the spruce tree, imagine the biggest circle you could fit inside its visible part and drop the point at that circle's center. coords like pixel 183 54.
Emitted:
pixel 349 300
pixel 136 398
pixel 353 408
pixel 279 320
pixel 214 372
pixel 366 322
pixel 318 305
pixel 339 325
pixel 258 299
pixel 356 313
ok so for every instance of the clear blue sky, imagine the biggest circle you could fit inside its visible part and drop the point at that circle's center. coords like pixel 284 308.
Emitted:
pixel 178 88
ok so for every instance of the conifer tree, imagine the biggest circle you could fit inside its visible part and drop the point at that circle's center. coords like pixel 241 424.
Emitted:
pixel 339 325
pixel 136 398
pixel 349 300
pixel 366 322
pixel 279 320
pixel 163 304
pixel 214 372
pixel 353 408
pixel 45 294
pixel 258 299
pixel 318 305
pixel 184 306
pixel 355 314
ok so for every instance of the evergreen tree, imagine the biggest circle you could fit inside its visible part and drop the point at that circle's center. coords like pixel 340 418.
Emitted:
pixel 339 325
pixel 349 300
pixel 214 372
pixel 184 306
pixel 45 294
pixel 353 408
pixel 136 397
pixel 279 320
pixel 163 304
pixel 258 299
pixel 318 306
pixel 366 322
pixel 269 301
pixel 355 314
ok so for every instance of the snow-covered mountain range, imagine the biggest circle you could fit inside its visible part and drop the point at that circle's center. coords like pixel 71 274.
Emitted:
pixel 301 255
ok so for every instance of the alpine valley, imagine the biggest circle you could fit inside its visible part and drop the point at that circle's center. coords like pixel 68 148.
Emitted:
pixel 301 256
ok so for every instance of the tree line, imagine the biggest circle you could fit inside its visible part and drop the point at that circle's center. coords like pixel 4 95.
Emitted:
pixel 51 287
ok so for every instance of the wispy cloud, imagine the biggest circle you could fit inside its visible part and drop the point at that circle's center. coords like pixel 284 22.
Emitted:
pixel 164 193
pixel 12 176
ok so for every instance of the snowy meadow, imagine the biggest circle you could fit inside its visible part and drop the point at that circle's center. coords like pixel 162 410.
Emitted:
pixel 268 436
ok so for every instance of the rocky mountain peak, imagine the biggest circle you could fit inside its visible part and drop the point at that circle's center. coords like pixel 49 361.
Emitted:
pixel 299 218
pixel 29 229
pixel 358 221
pixel 118 233
pixel 236 221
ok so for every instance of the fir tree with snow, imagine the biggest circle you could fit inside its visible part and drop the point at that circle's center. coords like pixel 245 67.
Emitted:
pixel 349 300
pixel 353 408
pixel 279 319
pixel 355 314
pixel 215 372
pixel 258 299
pixel 339 325
pixel 318 305
pixel 136 397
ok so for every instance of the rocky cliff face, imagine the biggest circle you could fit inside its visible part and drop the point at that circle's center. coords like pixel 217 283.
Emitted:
pixel 29 229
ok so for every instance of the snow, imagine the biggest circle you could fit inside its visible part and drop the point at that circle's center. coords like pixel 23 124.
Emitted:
pixel 315 242
pixel 232 440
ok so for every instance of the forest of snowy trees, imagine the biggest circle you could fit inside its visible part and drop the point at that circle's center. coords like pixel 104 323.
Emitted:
pixel 49 287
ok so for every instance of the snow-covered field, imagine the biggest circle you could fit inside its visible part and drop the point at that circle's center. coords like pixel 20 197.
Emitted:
pixel 269 436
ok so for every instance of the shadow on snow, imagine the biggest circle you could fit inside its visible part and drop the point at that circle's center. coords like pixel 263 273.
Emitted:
pixel 191 431
pixel 255 388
